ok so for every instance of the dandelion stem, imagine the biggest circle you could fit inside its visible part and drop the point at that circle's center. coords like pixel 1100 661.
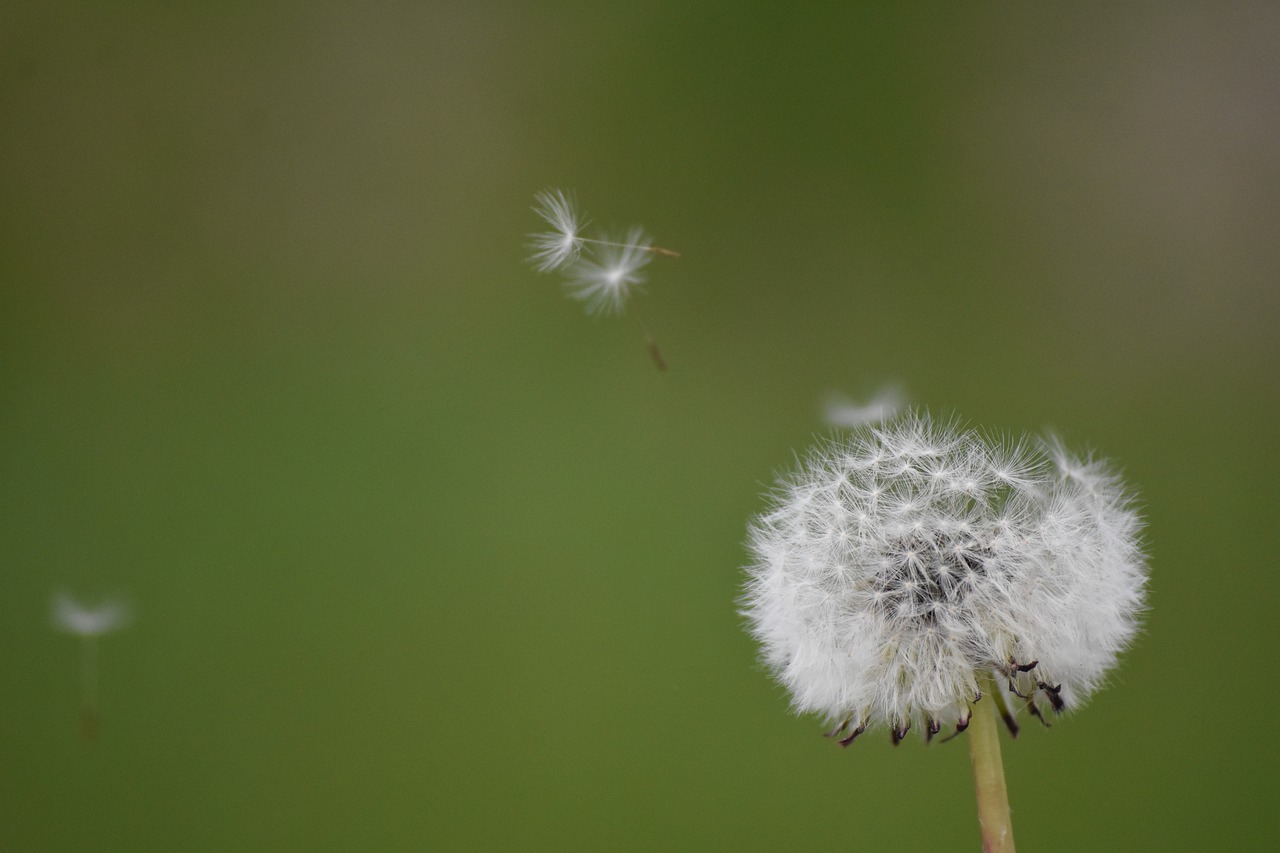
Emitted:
pixel 657 250
pixel 89 672
pixel 89 687
pixel 654 352
pixel 988 775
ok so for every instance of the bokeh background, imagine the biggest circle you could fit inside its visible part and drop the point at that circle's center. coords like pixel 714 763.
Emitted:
pixel 424 558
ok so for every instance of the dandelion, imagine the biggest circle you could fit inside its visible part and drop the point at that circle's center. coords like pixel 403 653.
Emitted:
pixel 89 623
pixel 561 245
pixel 601 272
pixel 605 285
pixel 843 413
pixel 914 575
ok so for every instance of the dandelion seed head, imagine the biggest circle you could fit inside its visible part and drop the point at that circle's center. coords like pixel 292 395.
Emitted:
pixel 604 284
pixel 562 245
pixel 906 561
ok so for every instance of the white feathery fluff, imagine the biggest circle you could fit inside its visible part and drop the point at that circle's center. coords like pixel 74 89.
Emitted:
pixel 904 562
pixel 83 620
pixel 560 246
pixel 605 285
pixel 600 272
pixel 840 412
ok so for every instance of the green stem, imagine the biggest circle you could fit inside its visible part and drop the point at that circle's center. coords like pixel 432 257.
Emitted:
pixel 988 775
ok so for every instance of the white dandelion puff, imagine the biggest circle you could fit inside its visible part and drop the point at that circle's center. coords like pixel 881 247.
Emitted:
pixel 907 564
pixel 843 413
pixel 561 245
pixel 89 623
pixel 605 285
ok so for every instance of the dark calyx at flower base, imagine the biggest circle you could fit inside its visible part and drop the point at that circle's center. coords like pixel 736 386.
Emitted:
pixel 928 574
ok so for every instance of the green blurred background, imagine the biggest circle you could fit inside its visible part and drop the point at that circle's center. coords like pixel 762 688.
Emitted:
pixel 423 558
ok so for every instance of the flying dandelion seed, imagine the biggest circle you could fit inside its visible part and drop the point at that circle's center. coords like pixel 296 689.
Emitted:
pixel 909 569
pixel 605 285
pixel 602 273
pixel 89 623
pixel 561 245
pixel 842 413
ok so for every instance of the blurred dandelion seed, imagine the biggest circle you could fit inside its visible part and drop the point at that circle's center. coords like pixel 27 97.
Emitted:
pixel 89 623
pixel 841 412
pixel 601 272
pixel 604 286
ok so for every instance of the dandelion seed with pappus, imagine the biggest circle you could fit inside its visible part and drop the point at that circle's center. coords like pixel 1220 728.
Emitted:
pixel 605 285
pixel 560 246
pixel 841 412
pixel 915 575
pixel 602 273
pixel 89 623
